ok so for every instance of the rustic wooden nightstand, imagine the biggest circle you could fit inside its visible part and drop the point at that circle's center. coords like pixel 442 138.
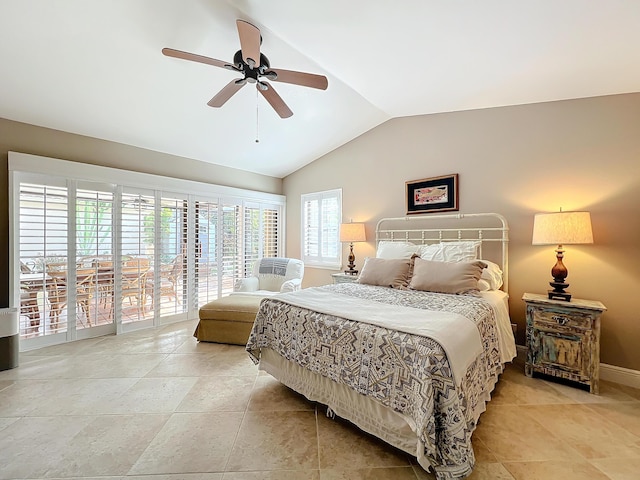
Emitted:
pixel 563 339
pixel 343 278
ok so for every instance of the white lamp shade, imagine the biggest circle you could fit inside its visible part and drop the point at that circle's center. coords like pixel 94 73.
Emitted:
pixel 352 232
pixel 562 228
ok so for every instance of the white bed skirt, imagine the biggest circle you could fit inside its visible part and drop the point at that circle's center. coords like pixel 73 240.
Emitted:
pixel 372 417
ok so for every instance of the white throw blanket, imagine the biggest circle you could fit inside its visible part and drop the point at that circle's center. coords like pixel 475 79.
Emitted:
pixel 458 336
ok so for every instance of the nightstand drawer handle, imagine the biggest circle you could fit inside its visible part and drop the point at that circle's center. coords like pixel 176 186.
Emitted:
pixel 560 320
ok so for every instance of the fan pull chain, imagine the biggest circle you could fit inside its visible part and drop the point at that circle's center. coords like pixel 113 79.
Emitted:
pixel 257 104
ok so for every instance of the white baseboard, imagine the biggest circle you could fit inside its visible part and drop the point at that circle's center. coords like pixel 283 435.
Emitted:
pixel 610 373
pixel 623 376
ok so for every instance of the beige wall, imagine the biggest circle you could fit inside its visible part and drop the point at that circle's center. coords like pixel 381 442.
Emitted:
pixel 20 137
pixel 578 154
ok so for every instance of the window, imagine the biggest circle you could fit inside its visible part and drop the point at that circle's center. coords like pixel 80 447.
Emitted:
pixel 321 217
pixel 104 251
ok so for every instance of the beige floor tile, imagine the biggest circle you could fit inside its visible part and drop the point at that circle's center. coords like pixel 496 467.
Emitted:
pixel 63 396
pixel 182 476
pixel 218 394
pixel 109 444
pixel 490 471
pixel 632 392
pixel 110 365
pixel 269 394
pixel 590 434
pixel 109 477
pixel 384 473
pixel 212 364
pixel 152 395
pixel 43 368
pixel 191 345
pixel 275 441
pixel 4 384
pixel 577 470
pixel 481 451
pixel 344 446
pixel 511 435
pixel 608 393
pixel 514 388
pixel 120 344
pixel 619 468
pixel 274 475
pixel 5 422
pixel 69 348
pixel 31 446
pixel 23 397
pixel 189 443
pixel 624 414
pixel 422 474
pixel 178 365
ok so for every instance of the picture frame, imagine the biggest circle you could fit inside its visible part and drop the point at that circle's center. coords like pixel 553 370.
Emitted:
pixel 435 194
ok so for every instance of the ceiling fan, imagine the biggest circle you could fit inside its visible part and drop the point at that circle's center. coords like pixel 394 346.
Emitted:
pixel 254 67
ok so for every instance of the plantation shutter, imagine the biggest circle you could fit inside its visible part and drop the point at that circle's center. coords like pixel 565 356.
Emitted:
pixel 321 217
pixel 43 218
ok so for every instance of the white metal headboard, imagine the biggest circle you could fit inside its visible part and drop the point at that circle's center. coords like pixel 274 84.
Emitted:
pixel 490 228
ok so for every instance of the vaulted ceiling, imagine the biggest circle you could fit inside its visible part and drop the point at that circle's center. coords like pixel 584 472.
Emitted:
pixel 95 67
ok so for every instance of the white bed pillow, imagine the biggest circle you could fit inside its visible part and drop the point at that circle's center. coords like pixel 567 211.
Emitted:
pixel 491 278
pixel 463 251
pixel 389 250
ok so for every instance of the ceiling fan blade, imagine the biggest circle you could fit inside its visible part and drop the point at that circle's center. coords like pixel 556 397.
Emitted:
pixel 170 52
pixel 249 43
pixel 300 78
pixel 274 100
pixel 226 93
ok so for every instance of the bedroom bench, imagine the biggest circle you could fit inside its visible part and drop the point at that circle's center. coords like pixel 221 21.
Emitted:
pixel 228 319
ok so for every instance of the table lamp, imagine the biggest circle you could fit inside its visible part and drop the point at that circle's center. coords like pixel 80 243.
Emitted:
pixel 352 232
pixel 561 228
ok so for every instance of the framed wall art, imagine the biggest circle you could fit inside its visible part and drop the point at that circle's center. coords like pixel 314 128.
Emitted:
pixel 436 194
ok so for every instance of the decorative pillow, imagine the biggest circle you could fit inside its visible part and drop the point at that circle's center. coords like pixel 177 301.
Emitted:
pixel 446 277
pixel 491 278
pixel 389 250
pixel 462 251
pixel 385 272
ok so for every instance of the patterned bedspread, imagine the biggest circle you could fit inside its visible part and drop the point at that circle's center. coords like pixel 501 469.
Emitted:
pixel 407 373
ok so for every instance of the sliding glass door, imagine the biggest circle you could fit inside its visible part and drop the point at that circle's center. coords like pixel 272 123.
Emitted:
pixel 91 282
pixel 98 257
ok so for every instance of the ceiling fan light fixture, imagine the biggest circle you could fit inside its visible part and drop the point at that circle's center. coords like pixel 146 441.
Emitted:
pixel 262 86
pixel 271 75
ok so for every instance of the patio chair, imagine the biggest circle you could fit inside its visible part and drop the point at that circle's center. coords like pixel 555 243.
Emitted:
pixel 135 286
pixel 170 276
pixel 57 293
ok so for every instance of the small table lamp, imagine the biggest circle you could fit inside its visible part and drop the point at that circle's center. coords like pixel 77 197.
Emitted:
pixel 352 232
pixel 561 228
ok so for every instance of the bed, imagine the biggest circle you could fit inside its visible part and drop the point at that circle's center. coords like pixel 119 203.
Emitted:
pixel 411 351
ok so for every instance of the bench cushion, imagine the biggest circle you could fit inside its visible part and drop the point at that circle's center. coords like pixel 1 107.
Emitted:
pixel 228 319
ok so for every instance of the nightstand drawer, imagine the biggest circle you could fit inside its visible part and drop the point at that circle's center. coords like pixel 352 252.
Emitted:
pixel 553 350
pixel 556 318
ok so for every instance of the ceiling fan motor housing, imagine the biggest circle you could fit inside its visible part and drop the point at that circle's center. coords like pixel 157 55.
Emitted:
pixel 253 73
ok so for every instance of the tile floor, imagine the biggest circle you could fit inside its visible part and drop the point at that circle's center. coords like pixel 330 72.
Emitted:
pixel 156 405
